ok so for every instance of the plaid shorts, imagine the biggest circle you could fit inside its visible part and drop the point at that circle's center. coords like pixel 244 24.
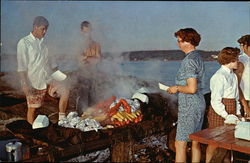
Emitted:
pixel 35 97
pixel 214 119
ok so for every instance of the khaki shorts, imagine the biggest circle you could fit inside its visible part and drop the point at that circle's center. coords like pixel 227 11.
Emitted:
pixel 35 98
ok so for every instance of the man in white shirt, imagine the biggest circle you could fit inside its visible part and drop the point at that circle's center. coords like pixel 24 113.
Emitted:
pixel 243 73
pixel 35 69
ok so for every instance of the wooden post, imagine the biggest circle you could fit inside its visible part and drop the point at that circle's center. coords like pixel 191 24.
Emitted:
pixel 219 155
pixel 122 148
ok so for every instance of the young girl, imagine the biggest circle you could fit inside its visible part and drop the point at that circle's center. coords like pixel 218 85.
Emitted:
pixel 224 93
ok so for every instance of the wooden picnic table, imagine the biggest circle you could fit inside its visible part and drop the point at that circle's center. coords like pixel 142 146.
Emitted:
pixel 222 137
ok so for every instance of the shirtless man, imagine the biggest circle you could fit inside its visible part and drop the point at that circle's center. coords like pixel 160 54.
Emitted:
pixel 92 50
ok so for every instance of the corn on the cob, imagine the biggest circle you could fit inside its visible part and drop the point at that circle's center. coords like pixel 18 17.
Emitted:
pixel 118 116
pixel 138 112
pixel 126 115
pixel 131 116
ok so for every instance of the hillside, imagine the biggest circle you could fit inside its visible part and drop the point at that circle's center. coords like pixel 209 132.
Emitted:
pixel 164 55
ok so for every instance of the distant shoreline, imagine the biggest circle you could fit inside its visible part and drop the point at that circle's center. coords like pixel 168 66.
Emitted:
pixel 168 60
pixel 166 55
pixel 148 55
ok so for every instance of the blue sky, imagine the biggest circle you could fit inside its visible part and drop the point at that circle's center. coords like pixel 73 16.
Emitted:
pixel 126 25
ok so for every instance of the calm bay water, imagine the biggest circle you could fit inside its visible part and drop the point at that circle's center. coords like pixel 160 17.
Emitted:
pixel 162 71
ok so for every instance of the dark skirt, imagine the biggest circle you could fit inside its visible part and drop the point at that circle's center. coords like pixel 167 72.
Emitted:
pixel 214 119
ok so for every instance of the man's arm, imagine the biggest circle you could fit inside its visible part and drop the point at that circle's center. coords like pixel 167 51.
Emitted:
pixel 98 50
pixel 239 72
pixel 93 53
pixel 24 82
pixel 52 63
pixel 22 62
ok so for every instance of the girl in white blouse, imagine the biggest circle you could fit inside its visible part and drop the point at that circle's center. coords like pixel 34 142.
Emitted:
pixel 224 93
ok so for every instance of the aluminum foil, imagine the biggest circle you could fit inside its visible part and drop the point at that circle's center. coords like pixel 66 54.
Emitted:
pixel 74 121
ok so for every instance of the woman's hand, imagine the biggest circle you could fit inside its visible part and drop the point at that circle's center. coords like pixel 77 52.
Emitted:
pixel 231 119
pixel 172 89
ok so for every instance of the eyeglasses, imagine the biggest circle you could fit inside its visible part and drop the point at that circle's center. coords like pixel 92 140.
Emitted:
pixel 179 41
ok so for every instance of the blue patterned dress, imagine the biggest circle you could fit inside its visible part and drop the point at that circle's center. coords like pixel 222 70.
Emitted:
pixel 191 107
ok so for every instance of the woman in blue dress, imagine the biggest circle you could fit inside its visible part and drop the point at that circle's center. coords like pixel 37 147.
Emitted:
pixel 191 102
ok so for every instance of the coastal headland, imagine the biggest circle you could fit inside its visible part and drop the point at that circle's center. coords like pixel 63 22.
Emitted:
pixel 165 55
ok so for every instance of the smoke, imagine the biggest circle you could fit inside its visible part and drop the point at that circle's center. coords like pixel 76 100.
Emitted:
pixel 97 81
pixel 103 80
pixel 122 85
pixel 11 81
pixel 93 83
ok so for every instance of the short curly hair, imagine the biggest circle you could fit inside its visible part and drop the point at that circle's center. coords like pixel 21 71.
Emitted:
pixel 189 35
pixel 245 40
pixel 228 55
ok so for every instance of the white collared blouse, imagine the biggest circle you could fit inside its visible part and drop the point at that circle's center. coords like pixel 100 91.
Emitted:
pixel 224 84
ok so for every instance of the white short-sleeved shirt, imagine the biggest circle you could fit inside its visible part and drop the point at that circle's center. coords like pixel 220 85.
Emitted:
pixel 32 57
pixel 245 80
pixel 224 84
